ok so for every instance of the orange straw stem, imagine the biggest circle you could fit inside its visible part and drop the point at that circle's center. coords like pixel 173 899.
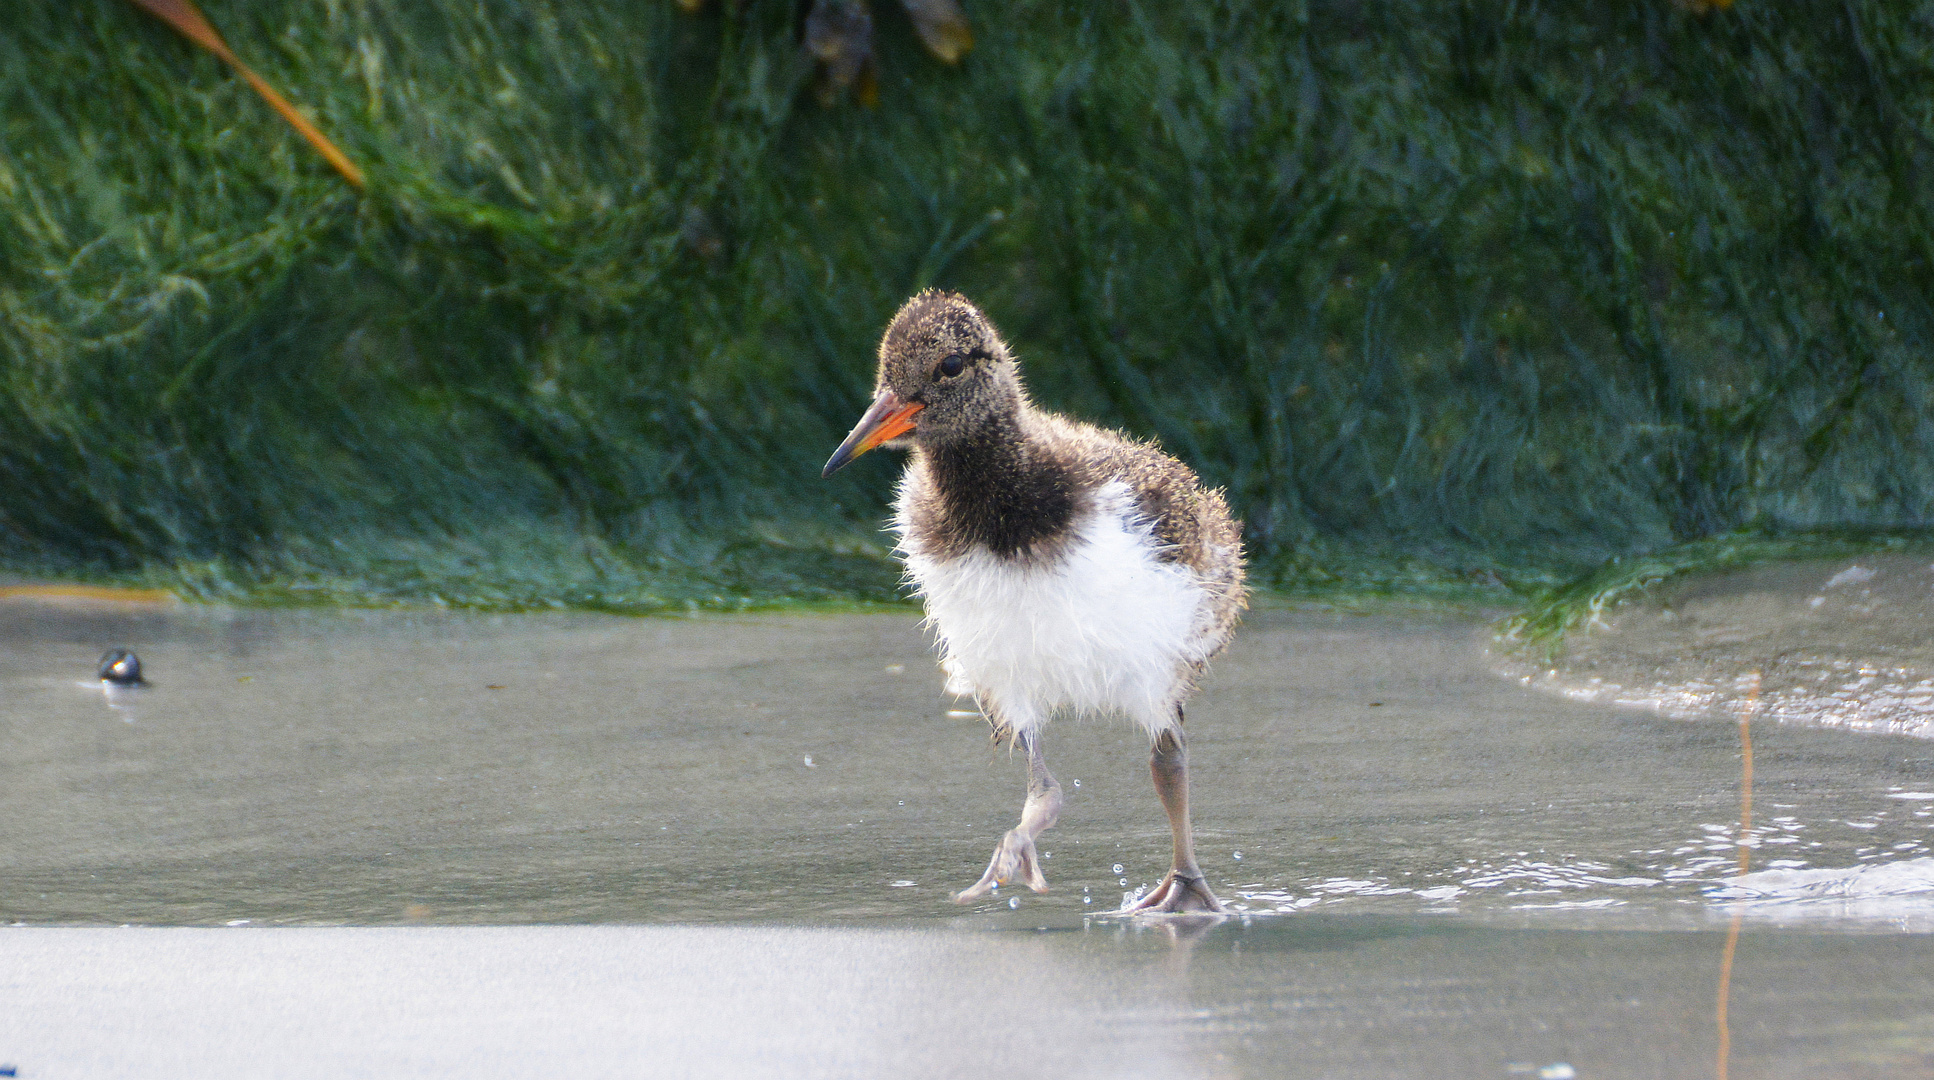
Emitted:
pixel 188 19
pixel 1745 857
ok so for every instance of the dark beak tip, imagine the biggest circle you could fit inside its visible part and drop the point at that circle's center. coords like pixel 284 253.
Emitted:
pixel 887 418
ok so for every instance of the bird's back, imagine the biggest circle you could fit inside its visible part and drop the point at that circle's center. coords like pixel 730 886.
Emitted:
pixel 1191 523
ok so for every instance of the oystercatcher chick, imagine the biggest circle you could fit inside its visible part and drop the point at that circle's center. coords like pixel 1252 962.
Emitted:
pixel 1064 568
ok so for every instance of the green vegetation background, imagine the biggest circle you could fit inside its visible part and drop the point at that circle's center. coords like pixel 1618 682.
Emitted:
pixel 1445 294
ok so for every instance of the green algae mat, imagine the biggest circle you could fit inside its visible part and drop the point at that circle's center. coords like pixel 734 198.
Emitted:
pixel 1454 301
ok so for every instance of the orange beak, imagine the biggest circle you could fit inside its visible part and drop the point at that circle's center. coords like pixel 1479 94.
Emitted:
pixel 888 417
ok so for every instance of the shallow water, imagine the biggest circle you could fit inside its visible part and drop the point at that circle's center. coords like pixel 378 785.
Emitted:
pixel 317 767
pixel 1442 873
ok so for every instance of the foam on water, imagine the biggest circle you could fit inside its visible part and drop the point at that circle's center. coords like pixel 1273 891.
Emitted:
pixel 1697 875
pixel 1826 692
pixel 1901 892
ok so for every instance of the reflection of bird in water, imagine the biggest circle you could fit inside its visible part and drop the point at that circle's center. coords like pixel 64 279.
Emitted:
pixel 1063 567
pixel 119 667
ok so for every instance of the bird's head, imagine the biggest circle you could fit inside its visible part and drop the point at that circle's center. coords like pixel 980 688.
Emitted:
pixel 944 374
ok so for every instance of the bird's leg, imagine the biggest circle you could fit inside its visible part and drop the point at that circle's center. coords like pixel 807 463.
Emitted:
pixel 1014 859
pixel 1184 889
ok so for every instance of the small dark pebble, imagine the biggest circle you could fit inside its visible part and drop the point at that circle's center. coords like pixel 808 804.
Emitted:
pixel 122 668
pixel 1374 704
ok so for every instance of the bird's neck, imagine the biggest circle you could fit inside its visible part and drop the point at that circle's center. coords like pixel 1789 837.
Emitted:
pixel 1002 490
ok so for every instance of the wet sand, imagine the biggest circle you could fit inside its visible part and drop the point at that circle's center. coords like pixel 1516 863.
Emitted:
pixel 562 842
pixel 1309 996
pixel 1840 643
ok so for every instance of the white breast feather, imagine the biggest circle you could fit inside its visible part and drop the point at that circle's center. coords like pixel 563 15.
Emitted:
pixel 1108 627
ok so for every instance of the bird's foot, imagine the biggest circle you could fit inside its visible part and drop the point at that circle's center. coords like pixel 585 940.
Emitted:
pixel 1014 860
pixel 1179 892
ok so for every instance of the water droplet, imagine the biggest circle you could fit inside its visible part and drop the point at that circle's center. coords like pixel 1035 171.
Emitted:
pixel 1117 868
pixel 903 802
pixel 1124 881
pixel 1087 899
pixel 1014 902
pixel 809 762
pixel 1077 783
pixel 1238 856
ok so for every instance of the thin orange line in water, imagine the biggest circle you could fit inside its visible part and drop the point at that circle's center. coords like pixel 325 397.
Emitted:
pixel 1745 861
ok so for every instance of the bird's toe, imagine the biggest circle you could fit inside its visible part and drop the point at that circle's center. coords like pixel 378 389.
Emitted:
pixel 1014 860
pixel 1178 893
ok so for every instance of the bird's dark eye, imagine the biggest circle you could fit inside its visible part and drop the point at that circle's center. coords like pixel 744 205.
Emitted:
pixel 953 365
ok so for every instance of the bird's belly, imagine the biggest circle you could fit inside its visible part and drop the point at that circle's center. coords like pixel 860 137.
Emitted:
pixel 1108 626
